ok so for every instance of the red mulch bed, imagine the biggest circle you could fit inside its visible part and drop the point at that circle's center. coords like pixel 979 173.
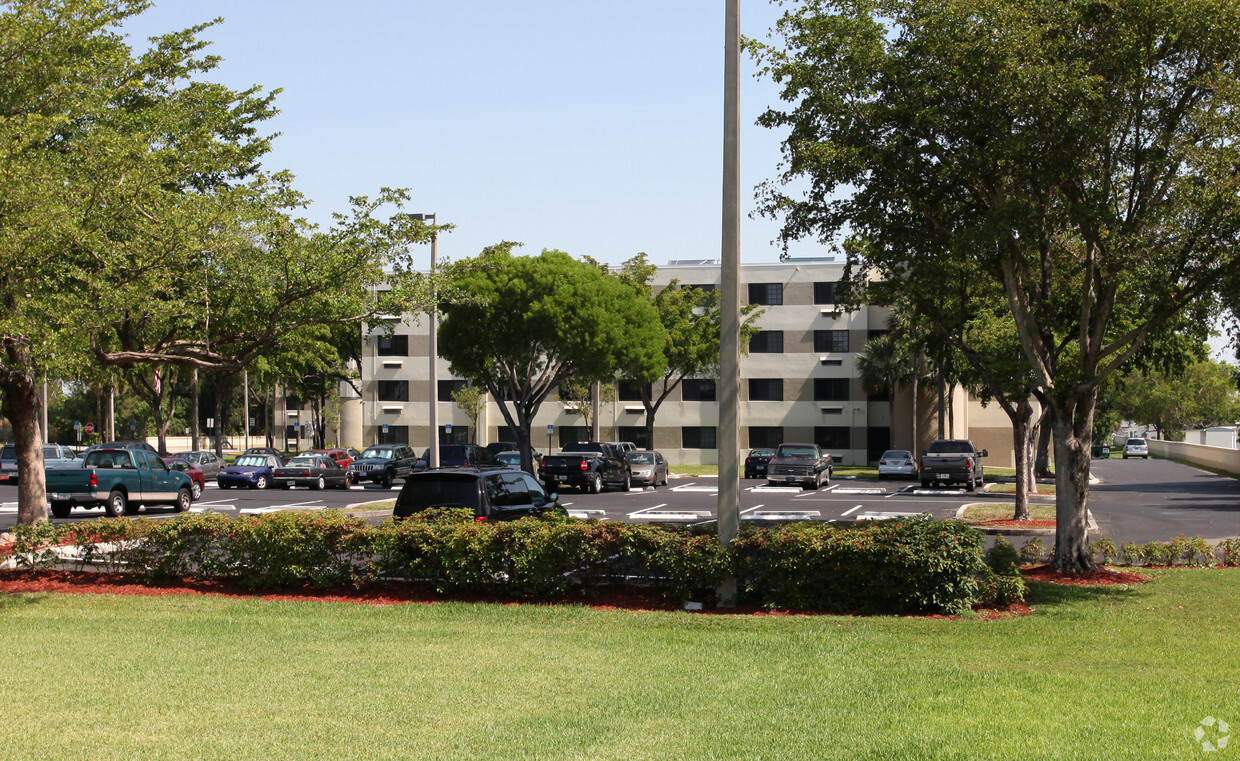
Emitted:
pixel 1008 523
pixel 90 582
pixel 1102 577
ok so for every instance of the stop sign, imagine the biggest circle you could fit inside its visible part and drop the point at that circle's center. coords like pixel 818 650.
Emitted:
pixel 90 427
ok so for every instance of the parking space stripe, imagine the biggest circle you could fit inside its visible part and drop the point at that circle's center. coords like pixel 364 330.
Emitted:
pixel 850 512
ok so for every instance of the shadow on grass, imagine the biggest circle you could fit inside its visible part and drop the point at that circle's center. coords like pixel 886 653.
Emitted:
pixel 1047 593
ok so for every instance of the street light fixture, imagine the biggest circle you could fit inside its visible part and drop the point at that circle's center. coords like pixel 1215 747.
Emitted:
pixel 432 457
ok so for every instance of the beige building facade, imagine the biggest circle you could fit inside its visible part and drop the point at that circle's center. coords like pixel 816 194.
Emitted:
pixel 799 382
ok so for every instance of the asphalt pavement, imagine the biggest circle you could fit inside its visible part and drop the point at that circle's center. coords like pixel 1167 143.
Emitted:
pixel 1132 500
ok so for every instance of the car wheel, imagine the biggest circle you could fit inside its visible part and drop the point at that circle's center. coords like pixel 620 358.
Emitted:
pixel 628 482
pixel 925 484
pixel 184 500
pixel 770 483
pixel 61 509
pixel 117 504
pixel 386 481
pixel 261 483
pixel 196 491
pixel 971 484
pixel 320 484
pixel 596 484
pixel 223 486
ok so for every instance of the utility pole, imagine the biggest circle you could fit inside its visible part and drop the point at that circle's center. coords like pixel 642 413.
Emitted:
pixel 728 441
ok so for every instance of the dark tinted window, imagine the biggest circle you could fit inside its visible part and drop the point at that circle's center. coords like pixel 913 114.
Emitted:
pixel 767 342
pixel 438 490
pixel 695 390
pixel 824 293
pixel 698 437
pixel 769 294
pixel 766 389
pixel 392 346
pixel 831 389
pixel 831 341
pixel 393 390
pixel 765 436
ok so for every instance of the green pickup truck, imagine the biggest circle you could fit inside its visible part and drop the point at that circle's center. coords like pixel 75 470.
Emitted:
pixel 119 480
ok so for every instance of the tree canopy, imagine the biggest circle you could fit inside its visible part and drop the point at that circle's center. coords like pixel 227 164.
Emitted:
pixel 524 324
pixel 1080 155
pixel 136 225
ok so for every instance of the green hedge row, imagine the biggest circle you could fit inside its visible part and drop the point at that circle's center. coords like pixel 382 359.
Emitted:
pixel 913 565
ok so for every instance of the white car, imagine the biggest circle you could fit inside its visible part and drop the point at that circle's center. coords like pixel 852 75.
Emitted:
pixel 1136 448
pixel 897 463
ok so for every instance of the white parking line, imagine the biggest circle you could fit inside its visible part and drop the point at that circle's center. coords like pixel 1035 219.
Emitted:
pixel 692 487
pixel 648 509
pixel 850 512
pixel 755 507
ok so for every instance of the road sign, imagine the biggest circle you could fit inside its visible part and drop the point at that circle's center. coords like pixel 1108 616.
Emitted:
pixel 550 429
pixel 77 423
pixel 385 427
pixel 90 427
pixel 447 428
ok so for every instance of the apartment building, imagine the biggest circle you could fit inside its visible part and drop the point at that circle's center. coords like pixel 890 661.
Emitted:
pixel 799 382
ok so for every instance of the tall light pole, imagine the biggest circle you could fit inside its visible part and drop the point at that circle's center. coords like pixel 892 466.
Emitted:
pixel 432 457
pixel 728 506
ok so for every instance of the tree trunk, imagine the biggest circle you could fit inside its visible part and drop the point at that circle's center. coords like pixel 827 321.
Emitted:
pixel 1073 423
pixel 942 406
pixel 219 417
pixel 193 426
pixel 1042 463
pixel 21 407
pixel 1022 436
pixel 916 447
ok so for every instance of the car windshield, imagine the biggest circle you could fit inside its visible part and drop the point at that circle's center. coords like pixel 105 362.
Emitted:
pixel 796 451
pixel 897 454
pixel 1136 442
pixel 443 490
pixel 762 453
pixel 303 462
pixel 512 458
pixel 640 458
pixel 251 461
pixel 378 454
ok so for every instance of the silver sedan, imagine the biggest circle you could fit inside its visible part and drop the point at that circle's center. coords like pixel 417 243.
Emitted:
pixel 647 467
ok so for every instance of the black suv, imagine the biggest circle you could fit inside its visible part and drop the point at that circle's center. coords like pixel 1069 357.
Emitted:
pixel 461 456
pixel 382 464
pixel 497 495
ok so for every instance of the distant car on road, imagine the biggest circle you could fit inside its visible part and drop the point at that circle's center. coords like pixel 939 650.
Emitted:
pixel 648 467
pixel 382 464
pixel 313 470
pixel 756 462
pixel 460 456
pixel 1137 448
pixel 897 463
pixel 206 461
pixel 341 456
pixel 249 470
pixel 510 459
pixel 55 457
pixel 264 450
pixel 804 464
pixel 497 494
pixel 197 479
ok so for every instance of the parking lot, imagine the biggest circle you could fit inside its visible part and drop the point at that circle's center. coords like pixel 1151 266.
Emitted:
pixel 1132 500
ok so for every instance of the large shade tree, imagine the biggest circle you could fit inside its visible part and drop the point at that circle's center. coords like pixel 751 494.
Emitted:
pixel 135 225
pixel 524 324
pixel 1082 155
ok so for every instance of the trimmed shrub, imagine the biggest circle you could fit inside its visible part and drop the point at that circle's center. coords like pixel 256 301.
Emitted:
pixel 291 548
pixel 913 565
pixel 1000 590
pixel 1003 558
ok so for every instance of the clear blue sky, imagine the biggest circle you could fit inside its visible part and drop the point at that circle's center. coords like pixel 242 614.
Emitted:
pixel 595 128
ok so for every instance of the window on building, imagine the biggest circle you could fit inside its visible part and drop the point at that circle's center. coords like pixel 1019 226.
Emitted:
pixel 396 434
pixel 766 389
pixel 630 392
pixel 832 438
pixel 458 435
pixel 392 346
pixel 831 341
pixel 505 433
pixel 697 390
pixel 765 436
pixel 767 342
pixel 393 390
pixel 831 389
pixel 571 434
pixel 824 293
pixel 449 387
pixel 767 294
pixel 635 434
pixel 697 437
pixel 701 286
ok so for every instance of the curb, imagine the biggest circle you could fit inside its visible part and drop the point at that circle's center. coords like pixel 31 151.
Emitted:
pixel 1090 525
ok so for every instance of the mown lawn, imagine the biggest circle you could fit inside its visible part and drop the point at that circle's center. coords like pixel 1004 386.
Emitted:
pixel 1093 673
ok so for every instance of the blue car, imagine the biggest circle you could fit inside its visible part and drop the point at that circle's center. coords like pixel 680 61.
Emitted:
pixel 249 470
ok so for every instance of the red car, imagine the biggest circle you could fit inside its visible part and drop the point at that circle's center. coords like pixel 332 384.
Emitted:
pixel 198 481
pixel 342 458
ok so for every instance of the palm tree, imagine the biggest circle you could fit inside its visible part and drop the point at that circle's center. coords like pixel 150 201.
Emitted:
pixel 884 366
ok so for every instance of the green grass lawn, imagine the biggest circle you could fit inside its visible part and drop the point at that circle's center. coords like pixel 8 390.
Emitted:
pixel 1093 673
